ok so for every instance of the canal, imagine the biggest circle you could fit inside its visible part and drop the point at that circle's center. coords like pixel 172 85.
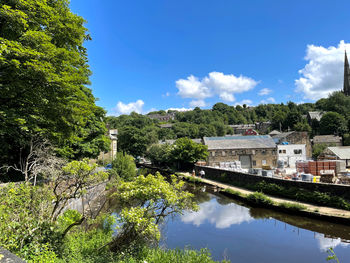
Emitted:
pixel 234 231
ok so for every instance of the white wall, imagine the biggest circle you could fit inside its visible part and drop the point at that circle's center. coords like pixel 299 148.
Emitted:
pixel 290 153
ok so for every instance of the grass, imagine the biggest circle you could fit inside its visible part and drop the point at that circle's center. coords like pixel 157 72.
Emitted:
pixel 233 192
pixel 259 198
pixel 292 206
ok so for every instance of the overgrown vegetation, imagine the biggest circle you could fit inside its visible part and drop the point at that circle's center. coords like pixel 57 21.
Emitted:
pixel 292 206
pixel 259 199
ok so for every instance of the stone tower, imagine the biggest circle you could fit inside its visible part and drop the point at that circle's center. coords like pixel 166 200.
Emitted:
pixel 346 87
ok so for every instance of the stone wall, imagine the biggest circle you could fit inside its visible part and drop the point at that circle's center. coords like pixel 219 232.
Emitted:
pixel 257 156
pixel 243 178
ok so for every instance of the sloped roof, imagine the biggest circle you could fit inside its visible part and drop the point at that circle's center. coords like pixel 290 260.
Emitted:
pixel 239 142
pixel 274 132
pixel 173 141
pixel 343 152
pixel 315 115
pixel 327 139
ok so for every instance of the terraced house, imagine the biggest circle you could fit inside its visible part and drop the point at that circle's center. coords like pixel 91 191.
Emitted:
pixel 251 151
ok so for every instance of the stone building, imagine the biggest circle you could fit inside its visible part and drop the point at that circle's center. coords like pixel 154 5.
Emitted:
pixel 337 153
pixel 112 153
pixel 165 117
pixel 251 151
pixel 328 140
pixel 294 137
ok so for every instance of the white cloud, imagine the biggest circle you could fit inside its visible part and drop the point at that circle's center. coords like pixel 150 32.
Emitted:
pixel 264 91
pixel 268 100
pixel 220 216
pixel 192 88
pixel 216 83
pixel 325 243
pixel 123 108
pixel 180 109
pixel 247 102
pixel 197 103
pixel 324 71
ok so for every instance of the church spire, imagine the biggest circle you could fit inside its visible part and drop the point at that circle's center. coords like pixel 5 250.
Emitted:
pixel 346 87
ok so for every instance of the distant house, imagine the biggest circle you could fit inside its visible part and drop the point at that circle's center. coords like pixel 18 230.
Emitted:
pixel 166 125
pixel 160 117
pixel 274 132
pixel 263 126
pixel 294 137
pixel 291 153
pixel 316 115
pixel 337 153
pixel 173 141
pixel 242 128
pixel 251 151
pixel 328 140
pixel 112 153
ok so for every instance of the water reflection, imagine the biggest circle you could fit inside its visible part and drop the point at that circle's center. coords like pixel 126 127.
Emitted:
pixel 235 231
pixel 222 216
pixel 325 243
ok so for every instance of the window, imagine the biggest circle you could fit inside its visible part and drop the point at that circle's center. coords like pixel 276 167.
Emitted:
pixel 297 151
pixel 253 152
pixel 284 151
pixel 263 152
pixel 263 162
pixel 254 163
pixel 233 153
pixel 223 153
pixel 213 153
pixel 279 151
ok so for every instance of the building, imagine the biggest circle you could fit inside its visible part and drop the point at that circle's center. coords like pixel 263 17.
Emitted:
pixel 160 117
pixel 337 153
pixel 251 151
pixel 112 153
pixel 294 137
pixel 263 127
pixel 166 125
pixel 314 115
pixel 328 140
pixel 242 128
pixel 291 153
pixel 346 86
pixel 171 142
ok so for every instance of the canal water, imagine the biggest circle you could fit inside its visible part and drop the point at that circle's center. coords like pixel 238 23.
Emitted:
pixel 233 231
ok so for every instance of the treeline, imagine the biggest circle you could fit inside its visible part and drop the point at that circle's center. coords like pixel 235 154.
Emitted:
pixel 137 132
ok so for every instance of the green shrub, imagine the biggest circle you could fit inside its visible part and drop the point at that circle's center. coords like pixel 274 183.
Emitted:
pixel 259 199
pixel 292 206
pixel 233 192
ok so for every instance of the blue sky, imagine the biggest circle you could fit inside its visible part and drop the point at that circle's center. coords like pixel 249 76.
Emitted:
pixel 152 55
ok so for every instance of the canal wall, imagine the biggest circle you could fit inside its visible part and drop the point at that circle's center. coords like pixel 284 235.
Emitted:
pixel 234 178
pixel 8 257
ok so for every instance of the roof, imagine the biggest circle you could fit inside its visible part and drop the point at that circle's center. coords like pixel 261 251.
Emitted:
pixel 274 132
pixel 278 138
pixel 173 141
pixel 327 139
pixel 343 152
pixel 166 125
pixel 239 142
pixel 315 115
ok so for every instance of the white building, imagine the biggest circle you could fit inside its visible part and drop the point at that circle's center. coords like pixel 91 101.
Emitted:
pixel 290 153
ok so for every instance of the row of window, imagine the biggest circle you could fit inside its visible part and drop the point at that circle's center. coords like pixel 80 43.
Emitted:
pixel 296 151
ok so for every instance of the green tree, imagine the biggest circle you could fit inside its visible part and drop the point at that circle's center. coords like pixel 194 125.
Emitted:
pixel 302 126
pixel 333 123
pixel 44 73
pixel 124 166
pixel 147 201
pixel 186 152
pixel 160 154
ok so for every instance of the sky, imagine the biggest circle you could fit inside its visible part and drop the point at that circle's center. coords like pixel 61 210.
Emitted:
pixel 180 54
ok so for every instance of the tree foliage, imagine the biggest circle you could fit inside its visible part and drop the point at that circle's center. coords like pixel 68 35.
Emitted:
pixel 147 201
pixel 43 78
pixel 124 166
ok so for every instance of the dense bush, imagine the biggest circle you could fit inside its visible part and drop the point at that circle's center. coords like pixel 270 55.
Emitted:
pixel 259 199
